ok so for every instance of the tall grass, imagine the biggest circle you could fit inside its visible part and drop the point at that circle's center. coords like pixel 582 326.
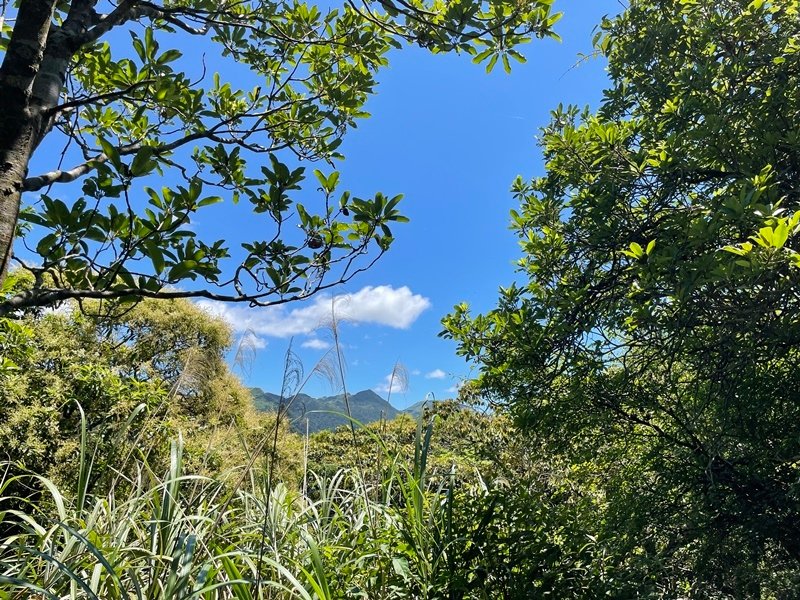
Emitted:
pixel 176 535
pixel 378 530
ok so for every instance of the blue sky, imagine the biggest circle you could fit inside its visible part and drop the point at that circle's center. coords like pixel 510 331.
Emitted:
pixel 452 139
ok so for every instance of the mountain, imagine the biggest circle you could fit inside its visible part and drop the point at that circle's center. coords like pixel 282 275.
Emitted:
pixel 415 410
pixel 366 407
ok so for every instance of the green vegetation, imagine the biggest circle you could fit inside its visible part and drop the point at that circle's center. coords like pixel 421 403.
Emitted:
pixel 114 90
pixel 654 341
pixel 181 536
pixel 139 378
pixel 143 470
pixel 643 376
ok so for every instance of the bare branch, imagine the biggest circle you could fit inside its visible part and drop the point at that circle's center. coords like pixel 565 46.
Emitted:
pixel 34 184
pixel 120 15
pixel 146 9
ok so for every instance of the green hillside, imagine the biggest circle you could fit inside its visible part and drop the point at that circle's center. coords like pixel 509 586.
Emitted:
pixel 327 412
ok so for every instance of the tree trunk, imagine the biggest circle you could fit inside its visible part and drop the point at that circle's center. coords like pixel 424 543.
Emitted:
pixel 15 149
pixel 20 117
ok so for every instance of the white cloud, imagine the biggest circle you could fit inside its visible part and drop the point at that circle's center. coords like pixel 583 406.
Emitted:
pixel 436 374
pixel 256 342
pixel 454 389
pixel 416 372
pixel 379 305
pixel 316 344
pixel 394 382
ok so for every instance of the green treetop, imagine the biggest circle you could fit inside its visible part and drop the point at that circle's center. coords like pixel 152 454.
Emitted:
pixel 656 331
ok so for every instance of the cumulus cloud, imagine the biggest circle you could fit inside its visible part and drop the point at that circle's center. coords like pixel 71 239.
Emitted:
pixel 256 342
pixel 378 305
pixel 316 344
pixel 395 382
pixel 454 389
pixel 436 374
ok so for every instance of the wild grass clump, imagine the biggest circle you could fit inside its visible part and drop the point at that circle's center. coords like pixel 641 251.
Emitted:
pixel 179 535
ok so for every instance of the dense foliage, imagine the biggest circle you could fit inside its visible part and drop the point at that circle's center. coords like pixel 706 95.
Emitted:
pixel 415 520
pixel 428 508
pixel 521 524
pixel 138 138
pixel 150 373
pixel 654 336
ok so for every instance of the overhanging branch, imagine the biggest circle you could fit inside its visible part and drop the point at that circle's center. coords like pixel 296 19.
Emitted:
pixel 34 184
pixel 40 297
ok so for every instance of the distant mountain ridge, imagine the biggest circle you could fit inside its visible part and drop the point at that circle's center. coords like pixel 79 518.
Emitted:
pixel 365 406
pixel 416 409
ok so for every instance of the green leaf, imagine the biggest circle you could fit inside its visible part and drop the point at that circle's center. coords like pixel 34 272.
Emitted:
pixel 780 234
pixel 142 162
pixel 169 56
pixel 492 63
pixel 210 200
pixel 111 152
pixel 480 57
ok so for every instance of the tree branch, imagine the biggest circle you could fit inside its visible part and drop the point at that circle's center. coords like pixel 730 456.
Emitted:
pixel 118 16
pixel 146 9
pixel 34 184
pixel 99 98
pixel 51 296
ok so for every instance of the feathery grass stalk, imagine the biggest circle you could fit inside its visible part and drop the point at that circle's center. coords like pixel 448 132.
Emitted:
pixel 292 371
pixel 340 366
pixel 305 460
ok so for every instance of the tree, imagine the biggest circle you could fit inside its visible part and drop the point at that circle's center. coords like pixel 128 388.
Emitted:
pixel 112 92
pixel 141 378
pixel 655 337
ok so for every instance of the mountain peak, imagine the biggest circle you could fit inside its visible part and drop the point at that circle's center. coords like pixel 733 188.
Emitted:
pixel 327 412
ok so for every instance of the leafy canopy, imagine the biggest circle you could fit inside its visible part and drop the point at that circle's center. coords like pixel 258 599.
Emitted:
pixel 150 136
pixel 654 331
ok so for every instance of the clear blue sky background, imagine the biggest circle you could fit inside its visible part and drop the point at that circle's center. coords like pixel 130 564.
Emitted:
pixel 452 139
